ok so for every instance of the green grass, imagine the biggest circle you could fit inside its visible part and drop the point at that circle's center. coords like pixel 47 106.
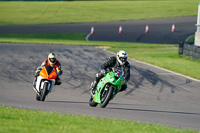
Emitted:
pixel 15 120
pixel 16 13
pixel 165 56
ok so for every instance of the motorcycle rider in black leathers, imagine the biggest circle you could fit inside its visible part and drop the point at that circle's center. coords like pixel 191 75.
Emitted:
pixel 120 60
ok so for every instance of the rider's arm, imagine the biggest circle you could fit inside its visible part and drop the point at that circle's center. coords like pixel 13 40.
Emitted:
pixel 109 63
pixel 58 69
pixel 39 69
pixel 127 73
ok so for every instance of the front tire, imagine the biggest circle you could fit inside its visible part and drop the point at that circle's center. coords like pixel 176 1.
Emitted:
pixel 92 103
pixel 43 92
pixel 37 97
pixel 107 97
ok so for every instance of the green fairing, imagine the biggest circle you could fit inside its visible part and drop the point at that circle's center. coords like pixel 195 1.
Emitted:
pixel 118 82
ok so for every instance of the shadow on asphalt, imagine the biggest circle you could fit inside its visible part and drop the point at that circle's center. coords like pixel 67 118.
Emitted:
pixel 150 76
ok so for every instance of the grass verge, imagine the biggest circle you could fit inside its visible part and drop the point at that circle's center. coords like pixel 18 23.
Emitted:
pixel 165 56
pixel 15 120
pixel 27 12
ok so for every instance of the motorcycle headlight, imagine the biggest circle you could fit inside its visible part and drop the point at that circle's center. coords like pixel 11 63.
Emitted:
pixel 112 79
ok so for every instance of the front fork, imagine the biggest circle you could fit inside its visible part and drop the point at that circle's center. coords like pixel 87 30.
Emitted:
pixel 107 88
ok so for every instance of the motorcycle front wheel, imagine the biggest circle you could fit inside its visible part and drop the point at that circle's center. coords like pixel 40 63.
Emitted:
pixel 105 98
pixel 92 103
pixel 37 97
pixel 43 92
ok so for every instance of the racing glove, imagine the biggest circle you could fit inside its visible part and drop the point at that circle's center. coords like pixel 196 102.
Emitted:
pixel 103 71
pixel 37 72
pixel 59 72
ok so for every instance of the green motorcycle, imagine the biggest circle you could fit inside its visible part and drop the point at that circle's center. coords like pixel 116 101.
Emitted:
pixel 107 88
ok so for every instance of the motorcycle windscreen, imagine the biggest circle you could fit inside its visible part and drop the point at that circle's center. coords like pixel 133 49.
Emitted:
pixel 51 72
pixel 49 69
pixel 48 72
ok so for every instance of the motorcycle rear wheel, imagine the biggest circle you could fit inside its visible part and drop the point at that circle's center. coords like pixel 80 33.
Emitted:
pixel 107 97
pixel 92 103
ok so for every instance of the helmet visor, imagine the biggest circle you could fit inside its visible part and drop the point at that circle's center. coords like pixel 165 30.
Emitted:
pixel 53 60
pixel 123 59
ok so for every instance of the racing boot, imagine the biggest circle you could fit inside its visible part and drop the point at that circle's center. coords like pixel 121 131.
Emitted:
pixel 123 88
pixel 58 81
pixel 93 87
pixel 34 82
pixel 95 82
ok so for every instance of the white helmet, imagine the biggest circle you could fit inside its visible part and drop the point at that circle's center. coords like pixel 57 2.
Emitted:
pixel 122 57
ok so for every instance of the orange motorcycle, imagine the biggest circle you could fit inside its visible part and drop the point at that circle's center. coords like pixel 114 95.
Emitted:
pixel 45 82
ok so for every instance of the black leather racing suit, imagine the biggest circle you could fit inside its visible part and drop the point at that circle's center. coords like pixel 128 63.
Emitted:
pixel 112 62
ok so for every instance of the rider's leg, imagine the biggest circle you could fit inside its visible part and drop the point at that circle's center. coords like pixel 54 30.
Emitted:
pixel 123 88
pixel 36 75
pixel 34 82
pixel 95 82
pixel 58 81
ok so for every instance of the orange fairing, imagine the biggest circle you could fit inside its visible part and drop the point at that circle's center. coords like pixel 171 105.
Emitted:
pixel 48 74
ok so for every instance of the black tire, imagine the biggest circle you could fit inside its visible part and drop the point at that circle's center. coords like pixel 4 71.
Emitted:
pixel 92 103
pixel 43 92
pixel 107 98
pixel 37 97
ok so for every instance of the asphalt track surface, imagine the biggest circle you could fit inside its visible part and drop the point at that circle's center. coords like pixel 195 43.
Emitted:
pixel 154 95
pixel 132 31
